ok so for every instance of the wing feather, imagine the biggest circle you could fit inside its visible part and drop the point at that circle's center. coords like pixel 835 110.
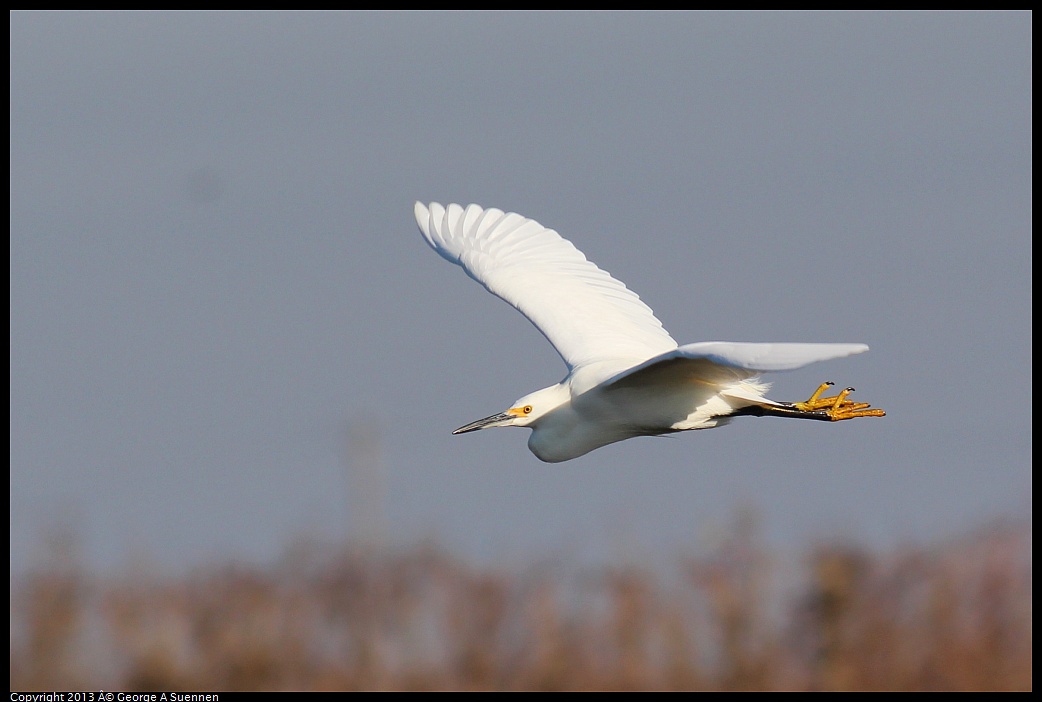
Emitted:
pixel 588 316
pixel 721 362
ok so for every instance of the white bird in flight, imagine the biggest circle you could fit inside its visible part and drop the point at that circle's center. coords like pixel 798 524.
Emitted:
pixel 626 375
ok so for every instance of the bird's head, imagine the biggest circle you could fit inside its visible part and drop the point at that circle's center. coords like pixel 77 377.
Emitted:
pixel 525 411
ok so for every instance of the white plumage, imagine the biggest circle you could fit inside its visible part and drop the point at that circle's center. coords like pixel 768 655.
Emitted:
pixel 626 375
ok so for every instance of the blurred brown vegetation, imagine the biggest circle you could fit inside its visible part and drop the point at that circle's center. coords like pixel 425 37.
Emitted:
pixel 951 617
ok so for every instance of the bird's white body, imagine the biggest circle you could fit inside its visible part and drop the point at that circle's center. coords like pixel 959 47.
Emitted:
pixel 626 376
pixel 580 423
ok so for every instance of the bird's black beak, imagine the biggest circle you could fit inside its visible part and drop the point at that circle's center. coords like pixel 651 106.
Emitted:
pixel 496 420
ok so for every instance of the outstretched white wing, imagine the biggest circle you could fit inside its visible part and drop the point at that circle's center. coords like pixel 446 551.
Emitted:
pixel 720 362
pixel 586 314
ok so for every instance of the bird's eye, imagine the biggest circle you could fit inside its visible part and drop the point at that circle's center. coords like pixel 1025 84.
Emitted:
pixel 527 409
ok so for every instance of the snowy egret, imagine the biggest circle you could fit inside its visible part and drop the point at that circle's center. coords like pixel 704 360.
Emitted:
pixel 626 375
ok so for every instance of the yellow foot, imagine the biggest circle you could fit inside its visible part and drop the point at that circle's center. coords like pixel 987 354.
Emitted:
pixel 837 407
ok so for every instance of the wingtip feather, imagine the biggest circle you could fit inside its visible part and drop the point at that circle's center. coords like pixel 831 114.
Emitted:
pixel 423 217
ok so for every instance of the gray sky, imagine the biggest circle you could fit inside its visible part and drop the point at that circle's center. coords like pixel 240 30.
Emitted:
pixel 220 300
